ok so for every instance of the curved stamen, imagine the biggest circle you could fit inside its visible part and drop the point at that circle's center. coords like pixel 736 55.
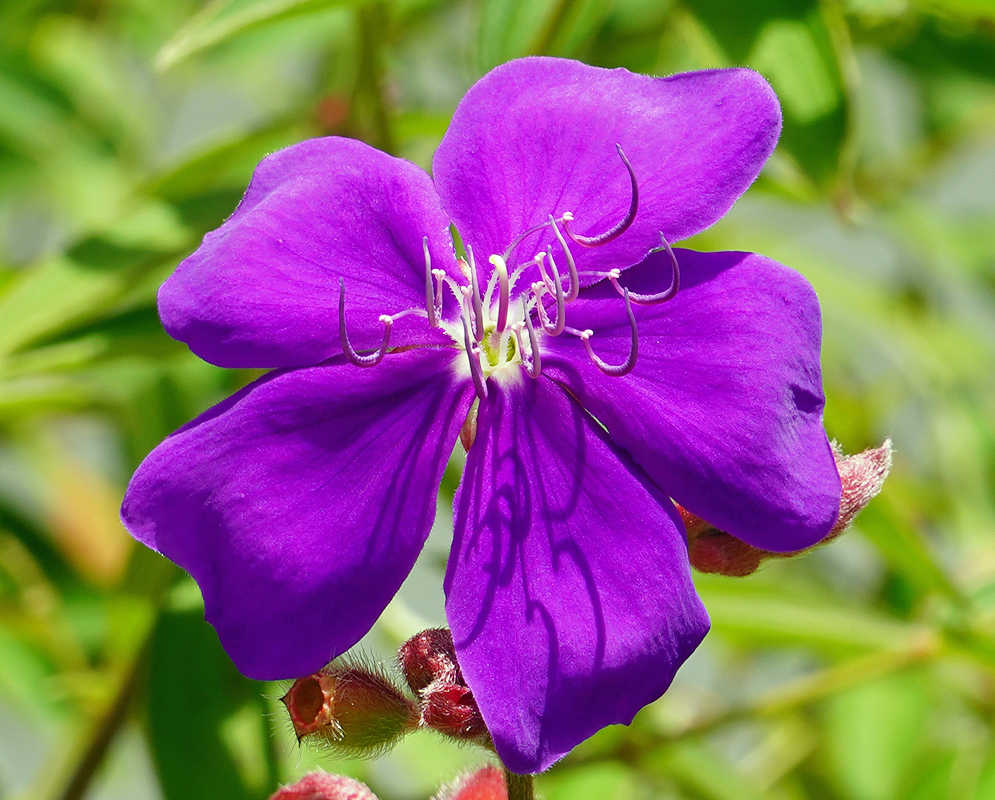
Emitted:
pixel 552 328
pixel 547 283
pixel 534 364
pixel 477 308
pixel 440 283
pixel 518 239
pixel 418 312
pixel 473 356
pixel 431 305
pixel 659 297
pixel 351 355
pixel 504 292
pixel 574 289
pixel 621 227
pixel 626 366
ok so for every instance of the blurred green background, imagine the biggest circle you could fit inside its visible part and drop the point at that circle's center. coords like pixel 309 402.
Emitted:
pixel 128 128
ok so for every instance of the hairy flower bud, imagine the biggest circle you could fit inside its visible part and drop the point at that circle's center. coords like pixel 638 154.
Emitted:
pixel 714 551
pixel 428 661
pixel 429 656
pixel 350 709
pixel 487 783
pixel 322 786
pixel 450 709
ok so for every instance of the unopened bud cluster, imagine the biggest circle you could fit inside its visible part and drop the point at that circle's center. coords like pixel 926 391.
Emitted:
pixel 428 661
pixel 358 709
pixel 487 783
pixel 862 476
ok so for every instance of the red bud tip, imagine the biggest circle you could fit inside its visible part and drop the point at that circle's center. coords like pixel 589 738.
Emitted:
pixel 451 710
pixel 862 477
pixel 350 709
pixel 468 431
pixel 322 786
pixel 429 656
pixel 428 661
pixel 487 783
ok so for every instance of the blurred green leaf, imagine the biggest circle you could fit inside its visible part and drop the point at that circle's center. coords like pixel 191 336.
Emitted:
pixel 84 61
pixel 748 610
pixel 607 781
pixel 206 723
pixel 875 734
pixel 697 769
pixel 221 20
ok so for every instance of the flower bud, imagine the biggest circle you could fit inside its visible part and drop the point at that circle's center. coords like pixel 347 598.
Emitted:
pixel 862 477
pixel 351 709
pixel 429 656
pixel 428 661
pixel 451 710
pixel 322 786
pixel 487 783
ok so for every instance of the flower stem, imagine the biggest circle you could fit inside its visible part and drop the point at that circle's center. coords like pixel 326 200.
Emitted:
pixel 520 787
pixel 369 114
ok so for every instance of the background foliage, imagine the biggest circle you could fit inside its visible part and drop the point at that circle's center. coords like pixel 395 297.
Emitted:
pixel 128 128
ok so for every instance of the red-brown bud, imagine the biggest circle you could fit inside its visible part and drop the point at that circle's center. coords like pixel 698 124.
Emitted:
pixel 451 710
pixel 428 661
pixel 487 783
pixel 322 786
pixel 429 656
pixel 714 551
pixel 351 709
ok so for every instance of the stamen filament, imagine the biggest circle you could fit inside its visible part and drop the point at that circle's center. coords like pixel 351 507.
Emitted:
pixel 421 312
pixel 552 328
pixel 478 311
pixel 574 289
pixel 618 229
pixel 473 356
pixel 616 371
pixel 440 283
pixel 430 293
pixel 659 297
pixel 527 232
pixel 351 355
pixel 534 365
pixel 504 292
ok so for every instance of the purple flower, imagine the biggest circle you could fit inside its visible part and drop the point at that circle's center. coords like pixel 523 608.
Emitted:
pixel 300 504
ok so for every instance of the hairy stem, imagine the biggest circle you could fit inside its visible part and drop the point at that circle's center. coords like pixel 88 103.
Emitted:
pixel 520 787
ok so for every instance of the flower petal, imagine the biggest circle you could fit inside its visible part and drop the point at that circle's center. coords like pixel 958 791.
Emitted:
pixel 568 591
pixel 300 503
pixel 728 390
pixel 538 136
pixel 263 289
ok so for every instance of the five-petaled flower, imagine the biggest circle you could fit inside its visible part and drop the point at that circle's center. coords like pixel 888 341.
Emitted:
pixel 607 372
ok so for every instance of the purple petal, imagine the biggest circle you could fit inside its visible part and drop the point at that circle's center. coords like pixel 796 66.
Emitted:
pixel 568 590
pixel 300 503
pixel 263 289
pixel 537 136
pixel 728 391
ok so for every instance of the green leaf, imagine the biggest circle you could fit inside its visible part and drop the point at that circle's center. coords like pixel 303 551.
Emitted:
pixel 703 773
pixel 874 734
pixel 514 28
pixel 222 20
pixel 605 781
pixel 746 610
pixel 206 722
pixel 49 297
